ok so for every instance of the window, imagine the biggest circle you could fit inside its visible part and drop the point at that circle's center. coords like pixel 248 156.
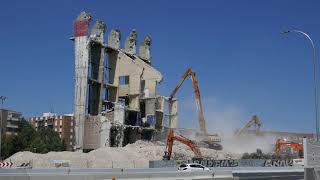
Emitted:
pixel 183 165
pixel 55 129
pixel 56 123
pixel 123 80
pixel 60 122
pixel 71 123
pixel 71 130
pixel 196 166
pixel 199 166
pixel 71 136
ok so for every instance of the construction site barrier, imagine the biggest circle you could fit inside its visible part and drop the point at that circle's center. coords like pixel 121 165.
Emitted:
pixel 5 164
pixel 226 163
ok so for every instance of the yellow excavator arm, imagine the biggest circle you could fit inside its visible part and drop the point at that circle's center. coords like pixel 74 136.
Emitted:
pixel 253 121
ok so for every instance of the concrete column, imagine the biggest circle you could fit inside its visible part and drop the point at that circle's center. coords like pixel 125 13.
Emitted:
pixel 81 26
pixel 114 39
pixel 173 109
pixel 105 132
pixel 144 51
pixel 98 33
pixel 131 41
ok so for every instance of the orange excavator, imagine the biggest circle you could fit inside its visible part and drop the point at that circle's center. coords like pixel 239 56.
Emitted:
pixel 212 140
pixel 171 138
pixel 282 144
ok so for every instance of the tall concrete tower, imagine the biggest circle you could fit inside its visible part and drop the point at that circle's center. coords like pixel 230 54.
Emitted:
pixel 81 31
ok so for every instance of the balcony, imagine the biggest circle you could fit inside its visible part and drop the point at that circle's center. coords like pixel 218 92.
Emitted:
pixel 9 125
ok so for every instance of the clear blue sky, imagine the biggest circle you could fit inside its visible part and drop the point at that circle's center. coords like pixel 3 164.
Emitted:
pixel 244 66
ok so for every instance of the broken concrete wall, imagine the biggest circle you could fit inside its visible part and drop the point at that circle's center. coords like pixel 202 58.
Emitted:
pixel 136 70
pixel 92 128
pixel 116 136
pixel 98 31
pixel 150 104
pixel 96 68
pixel 131 41
pixel 159 106
pixel 144 50
pixel 105 127
pixel 173 109
pixel 114 39
pixel 119 114
pixel 134 102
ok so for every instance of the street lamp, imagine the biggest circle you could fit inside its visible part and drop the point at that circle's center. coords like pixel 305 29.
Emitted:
pixel 314 76
pixel 2 98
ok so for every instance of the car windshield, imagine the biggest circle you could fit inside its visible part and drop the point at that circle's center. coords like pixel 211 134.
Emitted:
pixel 183 165
pixel 194 165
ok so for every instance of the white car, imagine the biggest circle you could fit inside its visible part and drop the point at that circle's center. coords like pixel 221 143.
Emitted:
pixel 193 167
pixel 298 162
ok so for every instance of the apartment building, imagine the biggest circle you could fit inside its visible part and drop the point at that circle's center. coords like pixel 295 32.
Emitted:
pixel 62 124
pixel 9 120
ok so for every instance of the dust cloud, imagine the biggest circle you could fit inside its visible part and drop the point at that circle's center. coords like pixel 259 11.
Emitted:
pixel 225 120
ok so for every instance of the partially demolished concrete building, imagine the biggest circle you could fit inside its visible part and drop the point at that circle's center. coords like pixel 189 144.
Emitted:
pixel 116 100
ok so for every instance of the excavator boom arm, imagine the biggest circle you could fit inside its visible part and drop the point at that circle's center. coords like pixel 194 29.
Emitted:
pixel 253 121
pixel 182 79
pixel 171 138
pixel 195 86
pixel 202 122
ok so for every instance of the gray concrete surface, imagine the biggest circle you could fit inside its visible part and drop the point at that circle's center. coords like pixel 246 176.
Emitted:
pixel 152 173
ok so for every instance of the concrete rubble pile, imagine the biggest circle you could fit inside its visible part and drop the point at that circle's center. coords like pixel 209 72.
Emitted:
pixel 135 155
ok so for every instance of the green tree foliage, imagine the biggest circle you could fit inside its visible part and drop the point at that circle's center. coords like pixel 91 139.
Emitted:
pixel 28 139
pixel 257 155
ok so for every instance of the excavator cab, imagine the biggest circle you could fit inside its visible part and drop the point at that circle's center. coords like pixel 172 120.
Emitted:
pixel 166 156
pixel 292 148
pixel 211 141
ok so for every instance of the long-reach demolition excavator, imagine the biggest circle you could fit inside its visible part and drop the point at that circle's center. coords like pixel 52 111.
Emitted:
pixel 254 121
pixel 294 147
pixel 171 138
pixel 212 140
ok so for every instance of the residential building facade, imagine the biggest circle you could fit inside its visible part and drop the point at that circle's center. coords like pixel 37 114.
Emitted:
pixel 62 124
pixel 9 120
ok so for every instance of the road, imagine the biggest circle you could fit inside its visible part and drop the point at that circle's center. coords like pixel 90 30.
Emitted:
pixel 267 176
pixel 152 173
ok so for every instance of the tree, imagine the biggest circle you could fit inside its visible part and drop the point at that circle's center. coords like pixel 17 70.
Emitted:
pixel 51 140
pixel 7 146
pixel 26 134
pixel 28 139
